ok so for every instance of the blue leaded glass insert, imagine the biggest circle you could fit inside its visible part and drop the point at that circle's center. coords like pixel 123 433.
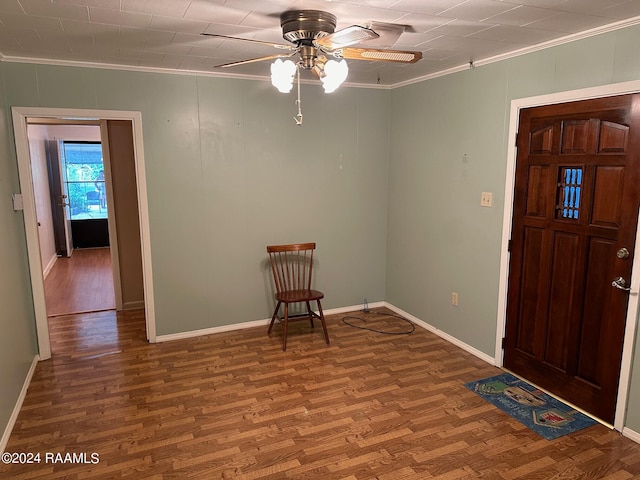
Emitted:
pixel 570 189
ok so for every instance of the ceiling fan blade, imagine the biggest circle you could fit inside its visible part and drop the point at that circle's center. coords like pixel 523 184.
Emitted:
pixel 345 37
pixel 399 56
pixel 389 33
pixel 254 60
pixel 275 45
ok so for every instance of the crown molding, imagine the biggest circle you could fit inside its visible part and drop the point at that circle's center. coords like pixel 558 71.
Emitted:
pixel 466 66
pixel 523 51
pixel 170 71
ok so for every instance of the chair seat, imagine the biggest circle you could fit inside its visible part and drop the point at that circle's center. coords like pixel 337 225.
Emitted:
pixel 293 296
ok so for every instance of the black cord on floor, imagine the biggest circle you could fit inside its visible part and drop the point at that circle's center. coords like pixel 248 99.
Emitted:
pixel 385 314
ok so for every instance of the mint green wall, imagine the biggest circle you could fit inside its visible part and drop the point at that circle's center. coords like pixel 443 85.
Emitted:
pixel 449 144
pixel 18 344
pixel 229 172
pixel 447 147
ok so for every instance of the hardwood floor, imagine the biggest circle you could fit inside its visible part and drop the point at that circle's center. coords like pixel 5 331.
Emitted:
pixel 80 283
pixel 234 406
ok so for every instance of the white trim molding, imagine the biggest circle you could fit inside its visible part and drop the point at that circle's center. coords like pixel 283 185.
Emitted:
pixel 49 266
pixel 16 409
pixel 255 323
pixel 136 305
pixel 465 66
pixel 334 311
pixel 20 116
pixel 210 331
pixel 631 434
pixel 445 336
pixel 632 309
pixel 523 51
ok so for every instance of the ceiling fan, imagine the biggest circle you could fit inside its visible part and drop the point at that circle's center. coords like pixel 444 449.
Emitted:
pixel 313 35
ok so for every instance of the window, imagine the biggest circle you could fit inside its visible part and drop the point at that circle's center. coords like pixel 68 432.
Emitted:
pixel 569 189
pixel 84 179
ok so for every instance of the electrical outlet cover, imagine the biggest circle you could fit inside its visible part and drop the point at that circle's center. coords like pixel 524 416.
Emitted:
pixel 486 200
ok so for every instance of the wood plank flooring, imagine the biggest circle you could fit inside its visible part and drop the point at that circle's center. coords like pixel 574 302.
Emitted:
pixel 234 406
pixel 80 283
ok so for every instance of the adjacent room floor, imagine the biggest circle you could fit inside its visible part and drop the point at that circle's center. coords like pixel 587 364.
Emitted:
pixel 80 283
pixel 233 405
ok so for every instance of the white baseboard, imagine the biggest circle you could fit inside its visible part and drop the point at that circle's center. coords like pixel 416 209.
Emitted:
pixel 255 323
pixel 137 305
pixel 333 311
pixel 473 351
pixel 630 434
pixel 210 331
pixel 16 410
pixel 353 308
pixel 49 266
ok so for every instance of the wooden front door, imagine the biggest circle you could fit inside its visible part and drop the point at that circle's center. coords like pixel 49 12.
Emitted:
pixel 577 192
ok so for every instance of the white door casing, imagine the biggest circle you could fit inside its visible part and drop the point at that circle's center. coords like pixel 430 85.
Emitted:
pixel 20 115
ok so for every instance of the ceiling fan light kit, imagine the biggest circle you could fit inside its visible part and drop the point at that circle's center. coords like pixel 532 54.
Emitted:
pixel 335 73
pixel 313 35
pixel 282 74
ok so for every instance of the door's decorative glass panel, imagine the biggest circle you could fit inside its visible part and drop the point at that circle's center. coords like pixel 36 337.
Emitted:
pixel 569 192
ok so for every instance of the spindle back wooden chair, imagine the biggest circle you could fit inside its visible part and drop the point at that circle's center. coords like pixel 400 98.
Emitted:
pixel 292 268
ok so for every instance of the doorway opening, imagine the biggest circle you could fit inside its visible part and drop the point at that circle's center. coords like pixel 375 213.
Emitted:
pixel 119 139
pixel 68 176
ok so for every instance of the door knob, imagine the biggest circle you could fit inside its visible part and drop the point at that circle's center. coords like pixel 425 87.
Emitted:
pixel 622 253
pixel 620 283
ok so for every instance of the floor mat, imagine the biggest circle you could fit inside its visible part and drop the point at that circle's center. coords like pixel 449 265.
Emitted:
pixel 548 417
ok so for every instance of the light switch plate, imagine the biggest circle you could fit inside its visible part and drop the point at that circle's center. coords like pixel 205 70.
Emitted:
pixel 486 200
pixel 17 202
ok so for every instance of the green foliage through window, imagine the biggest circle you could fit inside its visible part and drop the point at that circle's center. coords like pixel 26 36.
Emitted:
pixel 84 171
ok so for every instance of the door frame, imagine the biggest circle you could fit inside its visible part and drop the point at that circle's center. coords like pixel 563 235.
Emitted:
pixel 111 212
pixel 19 116
pixel 68 237
pixel 632 308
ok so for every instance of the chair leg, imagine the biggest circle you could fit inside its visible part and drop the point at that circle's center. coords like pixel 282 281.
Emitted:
pixel 286 324
pixel 310 314
pixel 273 317
pixel 324 325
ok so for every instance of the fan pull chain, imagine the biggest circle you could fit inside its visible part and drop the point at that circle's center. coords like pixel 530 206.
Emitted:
pixel 298 117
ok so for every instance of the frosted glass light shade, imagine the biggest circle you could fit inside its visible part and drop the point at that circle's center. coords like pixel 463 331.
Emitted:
pixel 335 72
pixel 282 73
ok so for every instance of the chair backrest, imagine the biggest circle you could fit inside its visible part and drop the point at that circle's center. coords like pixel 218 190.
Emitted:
pixel 292 266
pixel 93 195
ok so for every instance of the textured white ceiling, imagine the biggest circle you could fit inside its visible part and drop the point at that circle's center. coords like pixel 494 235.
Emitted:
pixel 166 33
